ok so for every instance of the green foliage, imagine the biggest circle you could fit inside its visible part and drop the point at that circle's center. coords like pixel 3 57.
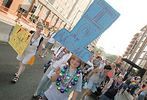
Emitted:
pixel 110 57
pixel 105 55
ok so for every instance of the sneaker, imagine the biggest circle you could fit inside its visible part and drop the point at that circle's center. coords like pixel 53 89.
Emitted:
pixel 36 97
pixel 15 79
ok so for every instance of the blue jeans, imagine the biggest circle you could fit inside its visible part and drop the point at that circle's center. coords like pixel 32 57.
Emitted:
pixel 104 97
pixel 43 84
pixel 142 95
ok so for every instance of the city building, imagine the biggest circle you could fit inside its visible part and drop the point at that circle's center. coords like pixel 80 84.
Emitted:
pixel 137 50
pixel 54 13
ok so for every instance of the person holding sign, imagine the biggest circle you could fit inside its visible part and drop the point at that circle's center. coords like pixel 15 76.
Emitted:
pixel 65 80
pixel 29 53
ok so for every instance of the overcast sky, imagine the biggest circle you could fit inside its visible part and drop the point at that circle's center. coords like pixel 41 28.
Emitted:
pixel 133 17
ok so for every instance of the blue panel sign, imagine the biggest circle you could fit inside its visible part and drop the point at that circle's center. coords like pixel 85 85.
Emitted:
pixel 99 16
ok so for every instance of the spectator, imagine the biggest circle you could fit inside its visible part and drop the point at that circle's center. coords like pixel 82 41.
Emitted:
pixel 96 78
pixel 45 82
pixel 115 85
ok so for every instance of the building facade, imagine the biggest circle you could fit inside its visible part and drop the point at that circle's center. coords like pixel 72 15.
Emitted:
pixel 137 50
pixel 54 13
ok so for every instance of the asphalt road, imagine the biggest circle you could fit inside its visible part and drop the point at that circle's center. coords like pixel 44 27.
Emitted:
pixel 24 89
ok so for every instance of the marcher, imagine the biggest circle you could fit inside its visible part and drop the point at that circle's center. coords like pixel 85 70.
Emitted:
pixel 66 80
pixel 142 94
pixel 47 44
pixel 45 82
pixel 125 85
pixel 95 80
pixel 29 52
pixel 113 89
pixel 134 85
pixel 56 57
pixel 97 61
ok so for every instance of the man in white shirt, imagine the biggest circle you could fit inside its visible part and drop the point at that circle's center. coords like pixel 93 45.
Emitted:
pixel 47 44
pixel 45 82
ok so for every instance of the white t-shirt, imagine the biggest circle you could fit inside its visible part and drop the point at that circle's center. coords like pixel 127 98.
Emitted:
pixel 63 60
pixel 60 63
pixel 52 40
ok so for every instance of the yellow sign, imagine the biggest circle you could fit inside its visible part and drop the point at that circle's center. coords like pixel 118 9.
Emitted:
pixel 19 39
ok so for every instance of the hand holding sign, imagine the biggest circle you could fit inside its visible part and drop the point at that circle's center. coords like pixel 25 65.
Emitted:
pixel 93 23
pixel 19 39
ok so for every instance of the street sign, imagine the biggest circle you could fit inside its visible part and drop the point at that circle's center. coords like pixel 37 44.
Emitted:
pixel 99 16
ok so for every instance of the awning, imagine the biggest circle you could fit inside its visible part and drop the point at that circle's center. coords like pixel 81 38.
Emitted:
pixel 131 63
pixel 141 70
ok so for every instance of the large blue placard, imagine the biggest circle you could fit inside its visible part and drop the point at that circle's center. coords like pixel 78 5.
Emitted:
pixel 99 16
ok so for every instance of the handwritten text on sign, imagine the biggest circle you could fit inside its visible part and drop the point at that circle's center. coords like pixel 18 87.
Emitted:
pixel 99 16
pixel 19 39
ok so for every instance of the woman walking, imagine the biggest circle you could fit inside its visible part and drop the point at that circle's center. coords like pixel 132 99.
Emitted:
pixel 29 52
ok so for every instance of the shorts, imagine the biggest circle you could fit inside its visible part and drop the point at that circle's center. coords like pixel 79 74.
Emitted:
pixel 25 57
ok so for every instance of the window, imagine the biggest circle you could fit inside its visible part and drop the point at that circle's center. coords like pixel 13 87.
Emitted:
pixel 138 61
pixel 7 3
pixel 52 1
pixel 33 9
pixel 145 49
pixel 142 55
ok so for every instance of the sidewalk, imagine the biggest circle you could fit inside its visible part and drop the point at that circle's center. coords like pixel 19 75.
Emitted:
pixel 7 21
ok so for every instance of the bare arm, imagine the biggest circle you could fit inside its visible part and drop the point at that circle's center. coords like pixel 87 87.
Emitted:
pixel 106 87
pixel 74 96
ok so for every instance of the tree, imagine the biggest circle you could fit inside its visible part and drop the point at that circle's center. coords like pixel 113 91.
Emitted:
pixel 105 55
pixel 111 57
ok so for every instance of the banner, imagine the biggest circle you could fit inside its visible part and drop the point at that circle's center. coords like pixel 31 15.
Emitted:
pixel 99 17
pixel 19 39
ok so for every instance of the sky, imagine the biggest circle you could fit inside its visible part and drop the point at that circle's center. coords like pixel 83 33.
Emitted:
pixel 132 18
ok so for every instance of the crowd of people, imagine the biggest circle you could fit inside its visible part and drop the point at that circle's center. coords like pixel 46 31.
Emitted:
pixel 66 76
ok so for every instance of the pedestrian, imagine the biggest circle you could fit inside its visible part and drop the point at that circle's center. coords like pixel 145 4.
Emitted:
pixel 56 57
pixel 95 80
pixel 65 80
pixel 45 82
pixel 47 43
pixel 85 71
pixel 134 85
pixel 97 61
pixel 112 72
pixel 126 85
pixel 114 87
pixel 29 52
pixel 143 95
